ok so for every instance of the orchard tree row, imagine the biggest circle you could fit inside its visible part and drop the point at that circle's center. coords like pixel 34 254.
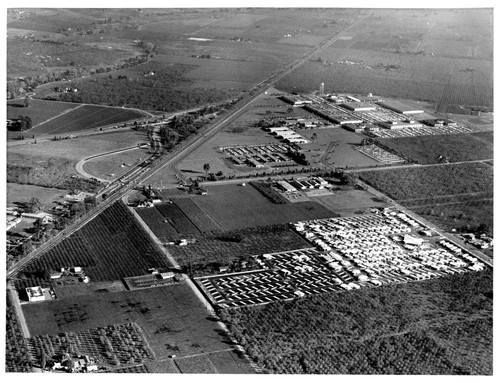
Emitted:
pixel 393 329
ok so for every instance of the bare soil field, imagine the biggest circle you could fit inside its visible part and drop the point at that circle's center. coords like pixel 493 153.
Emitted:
pixel 172 318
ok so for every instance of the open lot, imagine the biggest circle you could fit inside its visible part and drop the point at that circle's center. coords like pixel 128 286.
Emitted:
pixel 438 149
pixel 237 207
pixel 335 147
pixel 349 201
pixel 172 318
pixel 17 193
pixel 115 165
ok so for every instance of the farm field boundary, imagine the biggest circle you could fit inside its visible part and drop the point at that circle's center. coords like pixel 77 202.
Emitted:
pixel 110 247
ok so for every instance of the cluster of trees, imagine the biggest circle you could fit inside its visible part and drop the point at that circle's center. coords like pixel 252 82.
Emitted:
pixel 41 233
pixel 17 358
pixel 54 173
pixel 20 86
pixel 136 92
pixel 21 124
pixel 358 331
pixel 267 190
pixel 101 26
pixel 177 130
pixel 118 343
pixel 413 183
pixel 298 156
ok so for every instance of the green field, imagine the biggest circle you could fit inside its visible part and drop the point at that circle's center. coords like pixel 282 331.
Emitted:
pixel 437 327
pixel 237 207
pixel 23 193
pixel 437 149
pixel 349 201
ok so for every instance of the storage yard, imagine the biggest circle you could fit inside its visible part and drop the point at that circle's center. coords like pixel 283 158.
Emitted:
pixel 260 155
pixel 354 252
pixel 380 154
pixel 423 131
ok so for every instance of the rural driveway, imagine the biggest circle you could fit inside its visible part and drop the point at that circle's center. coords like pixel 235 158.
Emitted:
pixel 19 311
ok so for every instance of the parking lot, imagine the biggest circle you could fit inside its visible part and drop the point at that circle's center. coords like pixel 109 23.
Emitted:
pixel 422 131
pixel 259 154
pixel 380 154
pixel 359 251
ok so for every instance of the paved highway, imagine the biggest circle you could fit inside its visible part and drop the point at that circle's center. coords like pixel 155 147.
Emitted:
pixel 150 166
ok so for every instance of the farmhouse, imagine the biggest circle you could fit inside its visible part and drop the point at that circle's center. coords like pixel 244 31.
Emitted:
pixel 35 294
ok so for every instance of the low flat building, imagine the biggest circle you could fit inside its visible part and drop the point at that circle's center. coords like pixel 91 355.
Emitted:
pixel 359 106
pixel 393 125
pixel 399 107
pixel 286 186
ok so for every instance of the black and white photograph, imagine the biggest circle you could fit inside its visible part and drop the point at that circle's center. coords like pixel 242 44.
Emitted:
pixel 283 188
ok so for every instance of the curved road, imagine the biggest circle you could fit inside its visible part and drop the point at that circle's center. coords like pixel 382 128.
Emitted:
pixel 79 165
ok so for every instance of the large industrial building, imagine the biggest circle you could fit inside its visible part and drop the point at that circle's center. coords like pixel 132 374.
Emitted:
pixel 399 107
pixel 392 125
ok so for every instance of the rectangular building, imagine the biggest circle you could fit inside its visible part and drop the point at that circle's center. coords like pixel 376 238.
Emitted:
pixel 399 107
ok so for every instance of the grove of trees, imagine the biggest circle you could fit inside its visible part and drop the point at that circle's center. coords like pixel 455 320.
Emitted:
pixel 413 328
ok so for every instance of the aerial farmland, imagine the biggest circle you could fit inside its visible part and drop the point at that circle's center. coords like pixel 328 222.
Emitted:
pixel 250 191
